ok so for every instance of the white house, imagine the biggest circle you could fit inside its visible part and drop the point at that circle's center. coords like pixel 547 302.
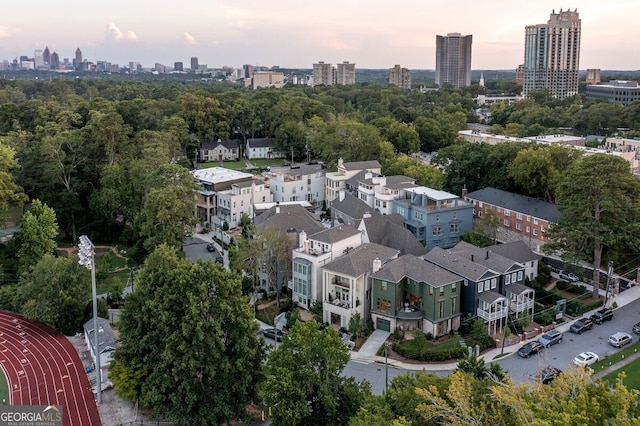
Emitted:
pixel 261 148
pixel 335 181
pixel 219 150
pixel 297 183
pixel 106 340
pixel 239 200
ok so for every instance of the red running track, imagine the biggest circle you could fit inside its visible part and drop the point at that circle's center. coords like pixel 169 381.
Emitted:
pixel 43 368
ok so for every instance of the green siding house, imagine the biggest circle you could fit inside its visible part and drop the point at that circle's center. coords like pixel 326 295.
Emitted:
pixel 410 293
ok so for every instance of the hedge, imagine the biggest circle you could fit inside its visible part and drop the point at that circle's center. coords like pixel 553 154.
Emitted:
pixel 429 354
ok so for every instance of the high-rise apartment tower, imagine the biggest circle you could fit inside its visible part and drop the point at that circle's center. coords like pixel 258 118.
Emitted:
pixel 400 77
pixel 323 74
pixel 552 55
pixel 346 73
pixel 453 60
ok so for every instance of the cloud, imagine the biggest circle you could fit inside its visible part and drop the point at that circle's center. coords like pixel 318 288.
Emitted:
pixel 188 38
pixel 114 33
pixel 7 32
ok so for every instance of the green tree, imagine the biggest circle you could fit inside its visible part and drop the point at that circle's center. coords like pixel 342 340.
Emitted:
pixel 10 193
pixel 56 291
pixel 189 344
pixel 357 325
pixel 598 198
pixel 38 230
pixel 303 379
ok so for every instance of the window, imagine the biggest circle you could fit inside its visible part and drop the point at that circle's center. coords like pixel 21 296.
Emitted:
pixel 507 212
pixel 519 226
pixel 480 286
pixel 480 204
pixel 519 216
pixel 528 229
pixel 542 228
pixel 480 213
pixel 441 309
pixel 436 230
pixel 383 305
pixel 535 232
pixel 528 218
pixel 520 273
pixel 430 291
pixel 513 277
pixel 383 286
pixel 535 221
pixel 437 218
pixel 494 283
pixel 441 291
pixel 453 305
pixel 455 215
pixel 454 228
pixel 418 215
pixel 507 279
pixel 454 286
pixel 506 222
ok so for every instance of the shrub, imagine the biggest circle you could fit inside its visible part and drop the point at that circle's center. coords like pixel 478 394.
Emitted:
pixel 424 354
pixel 429 336
pixel 397 335
pixel 545 317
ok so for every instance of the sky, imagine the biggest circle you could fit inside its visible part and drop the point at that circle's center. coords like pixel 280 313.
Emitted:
pixel 296 34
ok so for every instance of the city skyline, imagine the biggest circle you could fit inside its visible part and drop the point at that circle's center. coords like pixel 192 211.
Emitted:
pixel 288 35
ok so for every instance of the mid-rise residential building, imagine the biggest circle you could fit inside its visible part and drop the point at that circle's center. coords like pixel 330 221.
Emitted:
pixel 347 282
pixel 178 66
pixel 379 191
pixel 219 150
pixel 240 200
pixel 436 218
pixel 336 181
pixel 400 77
pixel 297 183
pixel 346 73
pixel 552 55
pixel 323 74
pixel 313 252
pixel 615 91
pixel 520 217
pixel 520 75
pixel 410 293
pixel 453 60
pixel 593 76
pixel 265 79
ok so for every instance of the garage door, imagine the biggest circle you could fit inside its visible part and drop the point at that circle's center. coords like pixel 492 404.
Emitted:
pixel 383 324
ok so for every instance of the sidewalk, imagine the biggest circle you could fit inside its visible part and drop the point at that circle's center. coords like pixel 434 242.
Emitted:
pixel 621 299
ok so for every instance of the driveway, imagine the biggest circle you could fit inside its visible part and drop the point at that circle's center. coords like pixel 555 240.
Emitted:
pixel 371 346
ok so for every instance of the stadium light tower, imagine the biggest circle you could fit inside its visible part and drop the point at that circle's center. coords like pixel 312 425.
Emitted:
pixel 87 254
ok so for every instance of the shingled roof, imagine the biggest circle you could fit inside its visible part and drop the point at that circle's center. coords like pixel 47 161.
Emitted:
pixel 517 203
pixel 290 217
pixel 460 264
pixel 360 260
pixel 516 250
pixel 335 234
pixel 352 206
pixel 417 269
pixel 388 230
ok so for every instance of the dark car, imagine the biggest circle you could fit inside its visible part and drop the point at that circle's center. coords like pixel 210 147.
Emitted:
pixel 211 247
pixel 220 260
pixel 549 373
pixel 529 349
pixel 602 315
pixel 274 334
pixel 581 325
pixel 636 328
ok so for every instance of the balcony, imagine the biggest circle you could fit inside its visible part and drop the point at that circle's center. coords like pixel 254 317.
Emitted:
pixel 343 304
pixel 493 315
pixel 521 306
pixel 405 314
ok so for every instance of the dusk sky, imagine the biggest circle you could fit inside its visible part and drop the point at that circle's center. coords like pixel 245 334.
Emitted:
pixel 369 33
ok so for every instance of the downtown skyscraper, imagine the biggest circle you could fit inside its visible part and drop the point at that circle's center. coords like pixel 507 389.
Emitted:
pixel 552 55
pixel 453 60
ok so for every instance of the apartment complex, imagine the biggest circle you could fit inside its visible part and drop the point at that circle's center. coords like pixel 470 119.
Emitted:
pixel 453 60
pixel 552 55
pixel 265 79
pixel 400 77
pixel 346 73
pixel 323 74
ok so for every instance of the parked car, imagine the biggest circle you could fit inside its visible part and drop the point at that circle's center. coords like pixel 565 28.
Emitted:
pixel 585 359
pixel 211 247
pixel 568 276
pixel 549 338
pixel 636 328
pixel 549 373
pixel 581 325
pixel 620 339
pixel 602 315
pixel 275 334
pixel 530 348
pixel 220 260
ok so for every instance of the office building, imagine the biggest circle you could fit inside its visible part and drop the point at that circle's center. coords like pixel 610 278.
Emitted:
pixel 55 61
pixel 323 74
pixel 77 63
pixel 346 73
pixel 178 66
pixel 38 58
pixel 400 77
pixel 46 56
pixel 194 64
pixel 615 91
pixel 453 60
pixel 552 55
pixel 265 79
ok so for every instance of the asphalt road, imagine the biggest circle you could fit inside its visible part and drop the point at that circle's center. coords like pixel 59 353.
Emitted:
pixel 195 249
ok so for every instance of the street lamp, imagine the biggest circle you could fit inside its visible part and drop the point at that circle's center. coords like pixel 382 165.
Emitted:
pixel 386 366
pixel 86 253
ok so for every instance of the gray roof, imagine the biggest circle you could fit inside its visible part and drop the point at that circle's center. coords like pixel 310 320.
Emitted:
pixel 400 182
pixel 360 260
pixel 417 269
pixel 352 206
pixel 297 170
pixel 260 143
pixel 490 296
pixel 214 144
pixel 485 257
pixel 517 203
pixel 360 177
pixel 290 217
pixel 362 165
pixel 335 234
pixel 388 230
pixel 518 288
pixel 459 264
pixel 106 339
pixel 518 251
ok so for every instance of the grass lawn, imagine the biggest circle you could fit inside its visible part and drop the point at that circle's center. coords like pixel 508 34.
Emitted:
pixel 432 345
pixel 4 387
pixel 632 371
pixel 264 162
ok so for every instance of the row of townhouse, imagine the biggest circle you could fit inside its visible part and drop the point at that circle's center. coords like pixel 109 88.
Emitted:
pixel 229 150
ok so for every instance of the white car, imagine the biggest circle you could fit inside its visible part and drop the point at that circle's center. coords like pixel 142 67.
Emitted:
pixel 620 339
pixel 585 359
pixel 568 276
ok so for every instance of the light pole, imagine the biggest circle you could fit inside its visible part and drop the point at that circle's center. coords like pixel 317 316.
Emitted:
pixel 86 253
pixel 386 366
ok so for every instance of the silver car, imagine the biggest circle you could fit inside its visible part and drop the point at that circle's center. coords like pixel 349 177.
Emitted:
pixel 549 338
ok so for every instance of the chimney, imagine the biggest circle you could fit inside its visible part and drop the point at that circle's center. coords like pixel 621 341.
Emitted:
pixel 368 175
pixel 340 162
pixel 377 264
pixel 464 190
pixel 277 207
pixel 341 195
pixel 366 215
pixel 303 240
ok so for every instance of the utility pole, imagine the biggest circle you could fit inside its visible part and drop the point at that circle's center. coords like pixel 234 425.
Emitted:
pixel 606 292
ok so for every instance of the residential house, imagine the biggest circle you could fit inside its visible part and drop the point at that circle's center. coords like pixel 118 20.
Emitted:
pixel 335 181
pixel 520 217
pixel 239 200
pixel 347 282
pixel 436 218
pixel 348 209
pixel 313 252
pixel 219 150
pixel 378 191
pixel 520 252
pixel 409 292
pixel 261 148
pixel 211 182
pixel 389 231
pixel 107 342
pixel 297 183
pixel 493 285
